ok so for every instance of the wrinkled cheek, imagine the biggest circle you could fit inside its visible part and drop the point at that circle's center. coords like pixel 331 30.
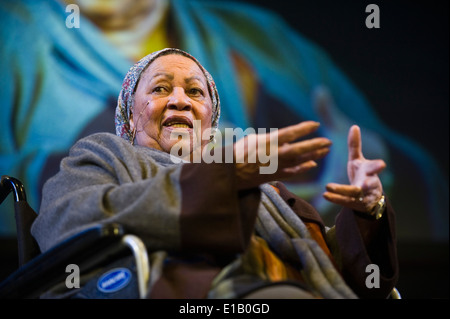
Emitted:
pixel 146 128
pixel 146 122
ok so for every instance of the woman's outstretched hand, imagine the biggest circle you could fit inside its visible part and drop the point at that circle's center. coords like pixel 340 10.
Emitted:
pixel 365 189
pixel 292 157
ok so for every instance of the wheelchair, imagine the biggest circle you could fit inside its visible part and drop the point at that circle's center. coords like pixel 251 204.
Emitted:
pixel 110 263
pixel 105 260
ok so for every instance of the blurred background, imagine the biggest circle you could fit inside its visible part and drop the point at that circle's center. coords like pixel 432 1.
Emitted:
pixel 275 63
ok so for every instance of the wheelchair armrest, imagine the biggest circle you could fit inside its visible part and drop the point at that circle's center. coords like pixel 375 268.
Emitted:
pixel 49 268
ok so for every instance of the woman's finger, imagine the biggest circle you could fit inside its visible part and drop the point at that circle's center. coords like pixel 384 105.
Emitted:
pixel 301 168
pixel 291 133
pixel 354 143
pixel 292 171
pixel 345 190
pixel 347 201
pixel 299 148
pixel 375 167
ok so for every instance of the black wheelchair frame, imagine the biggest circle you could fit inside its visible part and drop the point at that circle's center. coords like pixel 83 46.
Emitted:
pixel 96 247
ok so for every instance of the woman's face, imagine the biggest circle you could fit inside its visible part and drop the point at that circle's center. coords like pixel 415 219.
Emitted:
pixel 171 94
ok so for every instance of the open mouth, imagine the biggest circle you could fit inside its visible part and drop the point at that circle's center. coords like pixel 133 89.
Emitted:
pixel 177 122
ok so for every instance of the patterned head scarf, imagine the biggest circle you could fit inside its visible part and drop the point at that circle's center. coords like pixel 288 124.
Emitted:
pixel 125 102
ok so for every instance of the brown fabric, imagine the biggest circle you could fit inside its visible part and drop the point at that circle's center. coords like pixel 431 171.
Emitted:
pixel 301 207
pixel 182 279
pixel 368 241
pixel 215 217
pixel 219 226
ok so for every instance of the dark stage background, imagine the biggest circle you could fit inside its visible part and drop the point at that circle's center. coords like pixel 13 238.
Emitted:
pixel 413 38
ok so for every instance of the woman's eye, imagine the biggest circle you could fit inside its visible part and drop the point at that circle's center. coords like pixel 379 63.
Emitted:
pixel 196 92
pixel 159 89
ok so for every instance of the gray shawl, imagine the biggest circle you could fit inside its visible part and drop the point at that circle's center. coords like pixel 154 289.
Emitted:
pixel 288 236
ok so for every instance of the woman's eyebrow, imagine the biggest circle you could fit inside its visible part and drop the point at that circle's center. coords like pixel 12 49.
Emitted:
pixel 163 74
pixel 192 78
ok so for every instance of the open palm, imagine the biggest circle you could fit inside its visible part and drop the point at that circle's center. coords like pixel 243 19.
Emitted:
pixel 365 188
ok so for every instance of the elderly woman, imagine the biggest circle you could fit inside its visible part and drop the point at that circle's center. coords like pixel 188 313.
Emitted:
pixel 224 229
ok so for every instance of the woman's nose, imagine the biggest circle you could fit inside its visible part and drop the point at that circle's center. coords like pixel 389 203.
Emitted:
pixel 179 100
